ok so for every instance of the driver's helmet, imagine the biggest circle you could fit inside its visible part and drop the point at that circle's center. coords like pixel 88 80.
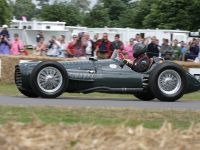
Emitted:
pixel 139 49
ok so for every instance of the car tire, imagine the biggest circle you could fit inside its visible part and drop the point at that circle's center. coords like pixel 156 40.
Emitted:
pixel 168 82
pixel 49 79
pixel 28 93
pixel 144 96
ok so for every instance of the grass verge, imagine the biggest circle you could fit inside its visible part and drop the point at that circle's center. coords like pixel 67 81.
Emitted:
pixel 100 116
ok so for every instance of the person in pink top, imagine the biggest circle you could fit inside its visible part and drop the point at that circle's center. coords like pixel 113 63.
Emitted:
pixel 17 47
pixel 128 50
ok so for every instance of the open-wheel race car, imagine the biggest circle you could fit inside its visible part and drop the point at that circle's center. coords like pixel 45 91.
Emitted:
pixel 163 80
pixel 146 78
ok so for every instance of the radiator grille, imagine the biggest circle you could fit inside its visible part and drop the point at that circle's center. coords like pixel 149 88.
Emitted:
pixel 18 77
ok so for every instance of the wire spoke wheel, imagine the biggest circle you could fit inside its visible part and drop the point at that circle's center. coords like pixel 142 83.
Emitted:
pixel 169 82
pixel 49 79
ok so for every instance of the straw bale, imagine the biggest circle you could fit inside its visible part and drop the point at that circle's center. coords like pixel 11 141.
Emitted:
pixel 41 136
pixel 9 62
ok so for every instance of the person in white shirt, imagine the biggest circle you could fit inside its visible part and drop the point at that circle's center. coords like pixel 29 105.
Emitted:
pixel 53 47
pixel 89 48
pixel 63 45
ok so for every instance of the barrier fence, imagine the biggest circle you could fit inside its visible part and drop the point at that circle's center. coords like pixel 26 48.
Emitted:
pixel 7 65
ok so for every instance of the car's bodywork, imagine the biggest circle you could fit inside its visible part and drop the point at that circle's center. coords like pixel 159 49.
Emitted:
pixel 102 76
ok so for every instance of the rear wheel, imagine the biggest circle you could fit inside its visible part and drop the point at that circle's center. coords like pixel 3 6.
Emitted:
pixel 28 93
pixel 145 96
pixel 49 79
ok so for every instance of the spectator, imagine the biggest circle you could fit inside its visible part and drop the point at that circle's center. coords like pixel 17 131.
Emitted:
pixel 17 46
pixel 193 50
pixel 128 50
pixel 199 51
pixel 77 48
pixel 152 48
pixel 62 46
pixel 96 37
pixel 159 46
pixel 5 32
pixel 117 44
pixel 166 50
pixel 138 38
pixel 145 41
pixel 89 48
pixel 4 45
pixel 53 47
pixel 94 42
pixel 39 36
pixel 103 47
pixel 183 50
pixel 70 52
pixel 41 48
pixel 176 50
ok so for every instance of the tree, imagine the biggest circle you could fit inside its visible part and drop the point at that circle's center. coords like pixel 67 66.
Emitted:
pixel 83 4
pixel 141 9
pixel 173 14
pixel 98 17
pixel 115 8
pixel 23 8
pixel 5 12
pixel 41 3
pixel 194 15
pixel 61 12
pixel 105 13
pixel 126 19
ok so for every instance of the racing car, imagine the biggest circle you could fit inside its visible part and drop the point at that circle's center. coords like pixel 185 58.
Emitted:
pixel 163 80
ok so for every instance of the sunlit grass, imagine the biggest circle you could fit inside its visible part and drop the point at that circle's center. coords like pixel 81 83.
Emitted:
pixel 100 116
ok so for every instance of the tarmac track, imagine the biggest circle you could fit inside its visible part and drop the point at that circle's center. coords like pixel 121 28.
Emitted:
pixel 84 102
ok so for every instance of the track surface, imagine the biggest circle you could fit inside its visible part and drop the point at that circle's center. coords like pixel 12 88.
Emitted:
pixel 83 102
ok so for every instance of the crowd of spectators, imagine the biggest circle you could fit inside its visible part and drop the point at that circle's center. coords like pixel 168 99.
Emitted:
pixel 14 47
pixel 82 45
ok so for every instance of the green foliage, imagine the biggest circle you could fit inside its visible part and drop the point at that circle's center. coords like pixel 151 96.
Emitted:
pixel 23 8
pixel 106 13
pixel 41 3
pixel 126 18
pixel 5 12
pixel 194 15
pixel 171 14
pixel 98 17
pixel 62 12
pixel 168 14
pixel 163 14
pixel 82 4
pixel 142 9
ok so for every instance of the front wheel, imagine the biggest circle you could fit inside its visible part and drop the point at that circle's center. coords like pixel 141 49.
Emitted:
pixel 49 79
pixel 168 82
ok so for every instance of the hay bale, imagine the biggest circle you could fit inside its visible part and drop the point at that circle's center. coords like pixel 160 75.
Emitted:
pixel 8 63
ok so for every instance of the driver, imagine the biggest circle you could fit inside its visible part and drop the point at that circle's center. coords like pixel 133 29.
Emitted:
pixel 141 62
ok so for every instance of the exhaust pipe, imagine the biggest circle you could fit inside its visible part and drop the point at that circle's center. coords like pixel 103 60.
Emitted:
pixel 113 90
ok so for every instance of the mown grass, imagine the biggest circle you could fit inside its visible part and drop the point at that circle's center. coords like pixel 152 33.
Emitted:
pixel 11 90
pixel 99 116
